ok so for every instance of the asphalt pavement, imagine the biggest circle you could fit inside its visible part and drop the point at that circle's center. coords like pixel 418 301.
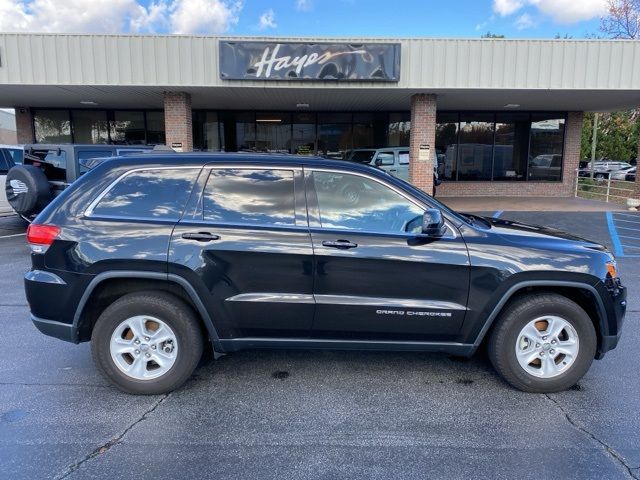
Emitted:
pixel 309 414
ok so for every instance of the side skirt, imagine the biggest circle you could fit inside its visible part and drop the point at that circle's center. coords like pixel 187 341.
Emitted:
pixel 237 344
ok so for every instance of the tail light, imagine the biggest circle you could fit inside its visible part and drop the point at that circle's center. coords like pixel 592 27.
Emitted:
pixel 40 237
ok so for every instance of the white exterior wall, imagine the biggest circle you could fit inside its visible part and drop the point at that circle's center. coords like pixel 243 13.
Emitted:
pixel 184 61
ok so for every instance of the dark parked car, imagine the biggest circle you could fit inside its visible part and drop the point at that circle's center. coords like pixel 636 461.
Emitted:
pixel 46 170
pixel 155 258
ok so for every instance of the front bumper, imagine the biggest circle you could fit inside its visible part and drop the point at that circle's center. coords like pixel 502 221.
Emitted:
pixel 616 309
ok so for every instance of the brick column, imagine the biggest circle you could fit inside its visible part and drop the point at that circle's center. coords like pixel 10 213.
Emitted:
pixel 571 160
pixel 178 120
pixel 423 132
pixel 24 125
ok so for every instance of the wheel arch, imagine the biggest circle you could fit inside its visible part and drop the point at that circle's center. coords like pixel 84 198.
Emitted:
pixel 106 287
pixel 592 303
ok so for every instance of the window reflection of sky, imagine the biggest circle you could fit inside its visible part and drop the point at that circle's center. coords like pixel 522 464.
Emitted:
pixel 149 194
pixel 239 196
pixel 373 208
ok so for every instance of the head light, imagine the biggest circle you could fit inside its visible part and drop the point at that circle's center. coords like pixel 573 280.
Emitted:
pixel 612 270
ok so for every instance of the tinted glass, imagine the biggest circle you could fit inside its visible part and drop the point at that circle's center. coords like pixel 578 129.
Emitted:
pixel 52 126
pixel 334 139
pixel 128 128
pixel 16 155
pixel 369 130
pixel 385 158
pixel 85 155
pixel 361 156
pixel 273 132
pixel 545 147
pixel 475 155
pixel 303 139
pixel 399 129
pixel 447 145
pixel 90 126
pixel 252 197
pixel 511 146
pixel 357 203
pixel 4 167
pixel 154 194
pixel 155 128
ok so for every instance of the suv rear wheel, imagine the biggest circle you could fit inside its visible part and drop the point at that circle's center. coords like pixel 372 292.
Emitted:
pixel 543 343
pixel 147 343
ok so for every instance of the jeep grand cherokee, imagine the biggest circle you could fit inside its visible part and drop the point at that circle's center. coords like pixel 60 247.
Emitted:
pixel 153 258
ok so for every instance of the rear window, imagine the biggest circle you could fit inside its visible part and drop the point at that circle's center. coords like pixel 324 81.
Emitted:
pixel 250 197
pixel 363 156
pixel 149 194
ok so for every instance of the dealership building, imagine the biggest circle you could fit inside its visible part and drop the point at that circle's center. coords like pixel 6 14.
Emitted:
pixel 500 117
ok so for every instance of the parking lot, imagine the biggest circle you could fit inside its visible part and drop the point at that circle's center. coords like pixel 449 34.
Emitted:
pixel 309 414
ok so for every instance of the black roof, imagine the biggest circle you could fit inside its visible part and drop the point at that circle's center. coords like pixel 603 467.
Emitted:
pixel 203 158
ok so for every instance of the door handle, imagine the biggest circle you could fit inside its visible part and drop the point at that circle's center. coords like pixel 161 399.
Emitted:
pixel 200 236
pixel 340 244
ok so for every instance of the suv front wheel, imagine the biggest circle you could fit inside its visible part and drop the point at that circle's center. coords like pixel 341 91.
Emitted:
pixel 147 343
pixel 543 343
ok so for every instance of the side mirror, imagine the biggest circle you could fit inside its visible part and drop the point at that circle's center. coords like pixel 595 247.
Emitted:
pixel 378 162
pixel 433 223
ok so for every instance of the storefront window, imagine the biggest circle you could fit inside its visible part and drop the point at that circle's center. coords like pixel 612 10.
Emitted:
pixel 475 156
pixel 245 132
pixel 545 147
pixel 334 134
pixel 155 128
pixel 127 128
pixel 447 144
pixel 512 144
pixel 52 126
pixel 90 126
pixel 399 129
pixel 273 132
pixel 303 134
pixel 369 130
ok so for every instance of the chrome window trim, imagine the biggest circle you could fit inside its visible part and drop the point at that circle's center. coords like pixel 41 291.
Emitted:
pixel 89 210
pixel 400 192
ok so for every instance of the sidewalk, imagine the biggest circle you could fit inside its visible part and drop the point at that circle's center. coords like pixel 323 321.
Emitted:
pixel 528 204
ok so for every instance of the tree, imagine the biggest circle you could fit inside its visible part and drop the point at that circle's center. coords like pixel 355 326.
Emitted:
pixel 491 35
pixel 622 20
pixel 617 135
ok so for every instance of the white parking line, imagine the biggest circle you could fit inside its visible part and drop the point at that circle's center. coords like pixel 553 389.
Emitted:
pixel 634 215
pixel 14 235
pixel 627 221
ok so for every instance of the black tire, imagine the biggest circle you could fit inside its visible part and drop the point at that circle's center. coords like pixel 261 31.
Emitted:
pixel 166 307
pixel 28 190
pixel 504 337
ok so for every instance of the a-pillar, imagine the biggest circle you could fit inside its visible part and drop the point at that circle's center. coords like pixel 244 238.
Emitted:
pixel 178 120
pixel 422 141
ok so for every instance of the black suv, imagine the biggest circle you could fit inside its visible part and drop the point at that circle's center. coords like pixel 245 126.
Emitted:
pixel 156 258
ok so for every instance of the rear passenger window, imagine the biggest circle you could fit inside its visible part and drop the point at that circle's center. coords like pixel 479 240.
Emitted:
pixel 152 194
pixel 252 197
pixel 403 158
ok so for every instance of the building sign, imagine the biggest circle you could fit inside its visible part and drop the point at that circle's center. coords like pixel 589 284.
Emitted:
pixel 372 62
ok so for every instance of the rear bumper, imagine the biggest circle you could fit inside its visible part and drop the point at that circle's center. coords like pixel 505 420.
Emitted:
pixel 60 330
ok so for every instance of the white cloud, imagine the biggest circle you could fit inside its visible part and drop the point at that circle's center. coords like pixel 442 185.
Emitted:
pixel 571 11
pixel 117 16
pixel 304 5
pixel 267 20
pixel 507 7
pixel 203 16
pixel 524 21
pixel 560 11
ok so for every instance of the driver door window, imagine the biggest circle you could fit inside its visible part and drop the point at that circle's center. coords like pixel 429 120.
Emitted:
pixel 352 202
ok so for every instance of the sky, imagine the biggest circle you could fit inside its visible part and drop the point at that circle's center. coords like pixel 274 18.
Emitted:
pixel 343 18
